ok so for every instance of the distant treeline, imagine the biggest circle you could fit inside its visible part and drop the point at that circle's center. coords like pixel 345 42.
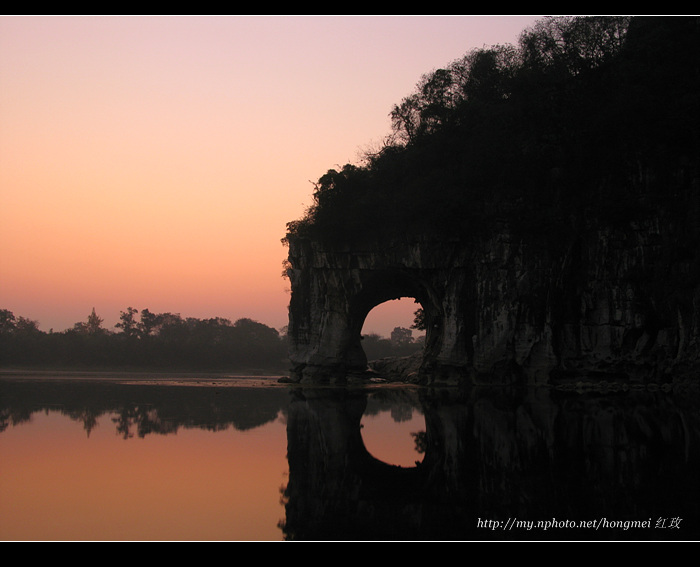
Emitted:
pixel 145 340
pixel 163 341
pixel 400 343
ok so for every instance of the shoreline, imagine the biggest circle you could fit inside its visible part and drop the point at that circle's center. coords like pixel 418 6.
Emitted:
pixel 181 378
pixel 193 378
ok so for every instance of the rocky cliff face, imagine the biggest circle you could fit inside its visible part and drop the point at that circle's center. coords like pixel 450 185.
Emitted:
pixel 615 302
pixel 612 302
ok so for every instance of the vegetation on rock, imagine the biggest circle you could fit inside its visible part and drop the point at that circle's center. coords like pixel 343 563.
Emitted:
pixel 587 117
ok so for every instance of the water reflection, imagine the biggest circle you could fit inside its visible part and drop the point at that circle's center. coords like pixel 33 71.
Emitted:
pixel 96 460
pixel 393 427
pixel 485 463
pixel 500 464
pixel 143 406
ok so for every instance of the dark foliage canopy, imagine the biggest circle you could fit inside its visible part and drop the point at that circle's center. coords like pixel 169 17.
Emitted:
pixel 585 117
pixel 156 341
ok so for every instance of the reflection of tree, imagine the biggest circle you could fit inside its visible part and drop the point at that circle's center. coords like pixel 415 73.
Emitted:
pixel 11 416
pixel 88 417
pixel 401 412
pixel 399 402
pixel 161 409
pixel 420 440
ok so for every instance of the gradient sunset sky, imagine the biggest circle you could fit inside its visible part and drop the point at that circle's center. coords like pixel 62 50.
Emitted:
pixel 154 162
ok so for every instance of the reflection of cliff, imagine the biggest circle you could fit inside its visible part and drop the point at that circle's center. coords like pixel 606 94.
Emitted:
pixel 334 482
pixel 141 409
pixel 495 455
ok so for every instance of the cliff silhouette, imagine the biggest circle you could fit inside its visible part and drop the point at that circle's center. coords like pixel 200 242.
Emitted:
pixel 541 202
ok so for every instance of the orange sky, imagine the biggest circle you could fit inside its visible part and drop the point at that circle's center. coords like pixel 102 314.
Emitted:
pixel 154 162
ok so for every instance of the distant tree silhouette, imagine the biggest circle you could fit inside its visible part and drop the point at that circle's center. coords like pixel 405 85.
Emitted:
pixel 92 326
pixel 156 341
pixel 401 343
pixel 165 341
pixel 401 336
pixel 7 321
pixel 127 322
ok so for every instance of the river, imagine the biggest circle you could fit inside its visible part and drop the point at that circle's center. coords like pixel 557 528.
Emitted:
pixel 97 457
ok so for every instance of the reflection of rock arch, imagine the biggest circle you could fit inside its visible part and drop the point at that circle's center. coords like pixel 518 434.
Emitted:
pixel 338 490
pixel 393 428
pixel 493 454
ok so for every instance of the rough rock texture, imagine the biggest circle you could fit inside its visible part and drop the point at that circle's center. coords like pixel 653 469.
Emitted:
pixel 398 369
pixel 611 302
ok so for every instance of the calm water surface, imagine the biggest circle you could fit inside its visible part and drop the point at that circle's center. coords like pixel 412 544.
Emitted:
pixel 109 458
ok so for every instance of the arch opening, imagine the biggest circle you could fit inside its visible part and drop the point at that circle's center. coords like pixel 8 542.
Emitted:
pixel 383 287
pixel 389 329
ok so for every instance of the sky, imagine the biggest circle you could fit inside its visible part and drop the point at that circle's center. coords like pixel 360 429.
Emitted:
pixel 153 162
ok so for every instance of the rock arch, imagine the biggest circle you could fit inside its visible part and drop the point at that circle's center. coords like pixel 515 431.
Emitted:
pixel 388 285
pixel 612 302
pixel 334 290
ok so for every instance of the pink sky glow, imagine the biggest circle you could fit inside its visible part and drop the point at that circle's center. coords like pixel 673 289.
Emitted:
pixel 154 162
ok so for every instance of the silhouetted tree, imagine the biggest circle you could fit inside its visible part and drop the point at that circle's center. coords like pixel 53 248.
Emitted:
pixel 149 323
pixel 419 320
pixel 401 336
pixel 127 322
pixel 92 326
pixel 165 341
pixel 7 321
